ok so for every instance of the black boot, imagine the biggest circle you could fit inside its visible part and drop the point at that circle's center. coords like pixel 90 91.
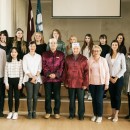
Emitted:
pixel 128 116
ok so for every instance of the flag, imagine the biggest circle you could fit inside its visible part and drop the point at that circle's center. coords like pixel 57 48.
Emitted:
pixel 39 23
pixel 30 26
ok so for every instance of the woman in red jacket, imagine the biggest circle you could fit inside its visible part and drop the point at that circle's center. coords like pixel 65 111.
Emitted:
pixel 76 80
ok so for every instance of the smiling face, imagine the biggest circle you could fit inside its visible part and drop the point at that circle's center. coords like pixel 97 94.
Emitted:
pixel 38 37
pixel 114 46
pixel 72 39
pixel 87 39
pixel 2 38
pixel 120 39
pixel 55 35
pixel 19 34
pixel 76 50
pixel 14 53
pixel 32 48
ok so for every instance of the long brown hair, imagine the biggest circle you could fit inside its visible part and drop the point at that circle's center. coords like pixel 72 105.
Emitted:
pixel 23 43
pixel 58 31
pixel 90 46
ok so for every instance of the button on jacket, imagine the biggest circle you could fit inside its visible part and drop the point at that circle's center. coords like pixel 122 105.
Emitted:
pixel 76 71
pixel 52 63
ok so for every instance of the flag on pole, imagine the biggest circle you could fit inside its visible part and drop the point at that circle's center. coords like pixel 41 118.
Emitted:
pixel 39 23
pixel 30 26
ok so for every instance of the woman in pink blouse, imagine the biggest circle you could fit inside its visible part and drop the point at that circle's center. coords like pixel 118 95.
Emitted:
pixel 98 81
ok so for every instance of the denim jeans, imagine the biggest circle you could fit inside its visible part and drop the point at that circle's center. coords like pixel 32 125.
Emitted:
pixel 97 92
pixel 2 94
pixel 13 88
pixel 115 93
pixel 72 97
pixel 55 87
pixel 32 93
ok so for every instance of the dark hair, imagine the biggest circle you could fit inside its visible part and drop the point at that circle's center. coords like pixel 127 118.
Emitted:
pixel 111 51
pixel 103 36
pixel 123 41
pixel 4 32
pixel 58 31
pixel 86 44
pixel 10 57
pixel 32 42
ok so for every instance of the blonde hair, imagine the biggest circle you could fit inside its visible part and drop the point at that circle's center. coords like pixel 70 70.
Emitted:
pixel 72 36
pixel 42 37
pixel 23 43
pixel 97 46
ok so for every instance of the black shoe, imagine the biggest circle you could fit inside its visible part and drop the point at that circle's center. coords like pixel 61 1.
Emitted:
pixel 104 96
pixel 39 95
pixel 29 115
pixel 127 117
pixel 81 118
pixel 1 114
pixel 34 115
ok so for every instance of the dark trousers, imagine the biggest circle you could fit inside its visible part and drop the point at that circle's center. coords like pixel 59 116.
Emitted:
pixel 72 97
pixel 32 93
pixel 55 87
pixel 2 94
pixel 97 92
pixel 13 88
pixel 115 93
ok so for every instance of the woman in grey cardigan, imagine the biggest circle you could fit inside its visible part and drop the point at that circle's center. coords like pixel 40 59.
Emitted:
pixel 127 82
pixel 117 67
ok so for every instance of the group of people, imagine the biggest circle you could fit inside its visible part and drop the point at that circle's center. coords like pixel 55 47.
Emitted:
pixel 92 68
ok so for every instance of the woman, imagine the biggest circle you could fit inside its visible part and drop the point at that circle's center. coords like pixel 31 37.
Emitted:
pixel 72 39
pixel 53 64
pixel 32 68
pixel 76 80
pixel 87 51
pixel 13 81
pixel 61 45
pixel 103 44
pixel 127 82
pixel 87 46
pixel 22 47
pixel 117 67
pixel 105 50
pixel 98 81
pixel 121 40
pixel 40 47
pixel 4 42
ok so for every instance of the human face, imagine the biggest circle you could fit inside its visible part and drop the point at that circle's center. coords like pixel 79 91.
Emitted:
pixel 19 34
pixel 73 40
pixel 87 39
pixel 38 37
pixel 14 54
pixel 120 39
pixel 96 52
pixel 103 41
pixel 3 38
pixel 53 46
pixel 55 35
pixel 32 48
pixel 114 46
pixel 76 50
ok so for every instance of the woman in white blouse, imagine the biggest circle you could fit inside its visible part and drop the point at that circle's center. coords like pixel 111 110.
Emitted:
pixel 32 68
pixel 13 81
pixel 117 67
